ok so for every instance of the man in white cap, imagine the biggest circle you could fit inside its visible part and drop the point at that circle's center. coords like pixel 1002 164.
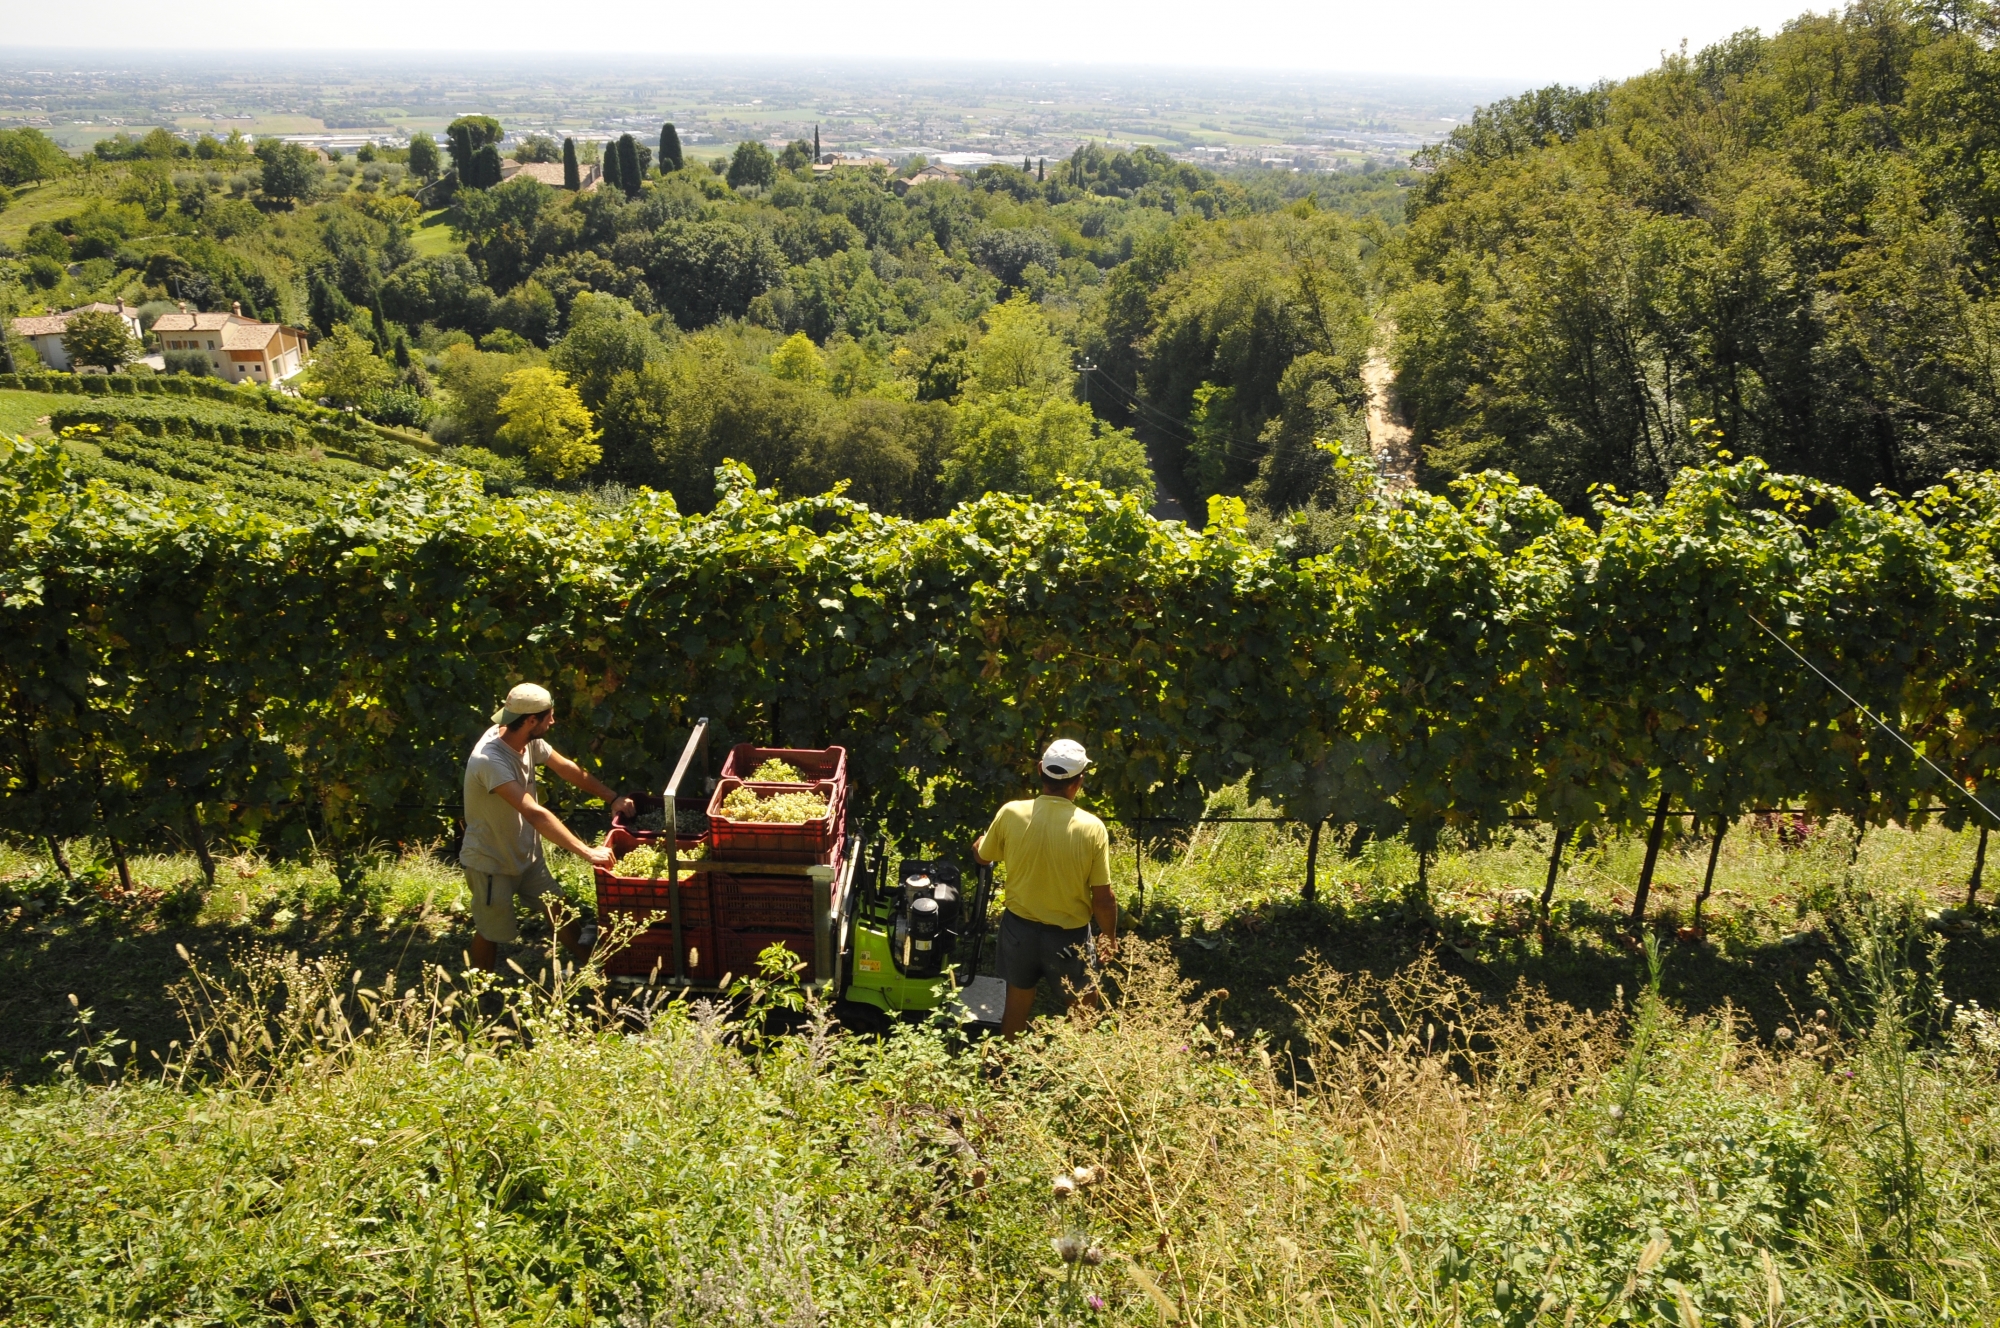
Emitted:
pixel 1058 859
pixel 504 825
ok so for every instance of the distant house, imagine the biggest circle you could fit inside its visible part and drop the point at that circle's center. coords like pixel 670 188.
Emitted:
pixel 45 331
pixel 928 175
pixel 832 161
pixel 551 173
pixel 239 349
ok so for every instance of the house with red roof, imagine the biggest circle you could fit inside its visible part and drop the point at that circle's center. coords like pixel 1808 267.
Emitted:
pixel 239 349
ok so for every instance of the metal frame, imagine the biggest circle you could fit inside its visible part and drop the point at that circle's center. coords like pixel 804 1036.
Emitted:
pixel 696 750
pixel 833 885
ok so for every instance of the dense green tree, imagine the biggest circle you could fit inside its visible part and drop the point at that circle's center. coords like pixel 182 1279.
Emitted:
pixel 546 422
pixel 605 337
pixel 474 381
pixel 529 311
pixel 29 155
pixel 1202 325
pixel 289 172
pixel 798 155
pixel 670 150
pixel 537 148
pixel 486 167
pixel 424 163
pixel 100 340
pixel 1789 235
pixel 708 270
pixel 464 137
pixel 631 177
pixel 346 369
pixel 752 166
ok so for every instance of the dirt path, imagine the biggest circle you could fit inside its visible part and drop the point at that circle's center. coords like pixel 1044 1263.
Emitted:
pixel 1388 437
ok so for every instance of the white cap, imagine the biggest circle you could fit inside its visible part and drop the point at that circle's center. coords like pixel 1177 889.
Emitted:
pixel 1065 759
pixel 526 699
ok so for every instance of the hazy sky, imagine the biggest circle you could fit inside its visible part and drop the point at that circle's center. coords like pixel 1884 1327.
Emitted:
pixel 1571 40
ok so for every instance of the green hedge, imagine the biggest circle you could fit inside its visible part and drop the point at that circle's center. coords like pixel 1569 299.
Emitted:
pixel 1456 663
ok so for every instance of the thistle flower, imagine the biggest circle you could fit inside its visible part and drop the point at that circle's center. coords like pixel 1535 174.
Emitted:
pixel 1095 1302
pixel 1094 1255
pixel 1617 1112
pixel 1063 1185
pixel 1068 1248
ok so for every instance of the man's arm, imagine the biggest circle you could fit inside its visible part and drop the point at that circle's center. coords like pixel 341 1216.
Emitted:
pixel 572 773
pixel 549 826
pixel 1104 911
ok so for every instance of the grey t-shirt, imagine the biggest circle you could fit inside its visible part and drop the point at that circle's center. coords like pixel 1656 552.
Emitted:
pixel 497 838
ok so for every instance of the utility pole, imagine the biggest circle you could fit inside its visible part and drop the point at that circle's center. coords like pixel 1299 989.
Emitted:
pixel 1086 367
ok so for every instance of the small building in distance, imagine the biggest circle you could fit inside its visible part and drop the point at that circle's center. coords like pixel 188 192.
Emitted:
pixel 550 173
pixel 45 331
pixel 829 162
pixel 928 175
pixel 239 349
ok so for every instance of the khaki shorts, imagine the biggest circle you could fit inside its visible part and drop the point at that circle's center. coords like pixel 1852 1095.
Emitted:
pixel 493 899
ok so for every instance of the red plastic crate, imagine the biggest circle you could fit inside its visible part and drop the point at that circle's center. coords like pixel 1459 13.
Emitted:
pixel 814 763
pixel 808 842
pixel 646 802
pixel 741 948
pixel 764 903
pixel 651 952
pixel 616 893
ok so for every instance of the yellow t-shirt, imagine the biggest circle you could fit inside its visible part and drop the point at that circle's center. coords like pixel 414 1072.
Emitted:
pixel 1056 853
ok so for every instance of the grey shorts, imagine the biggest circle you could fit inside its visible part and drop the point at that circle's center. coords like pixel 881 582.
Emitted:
pixel 493 899
pixel 1031 951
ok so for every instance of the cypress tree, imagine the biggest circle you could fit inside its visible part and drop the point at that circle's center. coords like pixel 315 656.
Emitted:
pixel 816 152
pixel 611 166
pixel 629 178
pixel 1024 165
pixel 670 149
pixel 572 173
pixel 1041 169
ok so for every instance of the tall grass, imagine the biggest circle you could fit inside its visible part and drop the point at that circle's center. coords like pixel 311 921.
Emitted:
pixel 323 1149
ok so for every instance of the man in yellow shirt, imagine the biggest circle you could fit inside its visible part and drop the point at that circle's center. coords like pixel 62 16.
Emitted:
pixel 1058 860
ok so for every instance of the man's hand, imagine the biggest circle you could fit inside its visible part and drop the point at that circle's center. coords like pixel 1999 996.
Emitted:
pixel 623 806
pixel 1107 948
pixel 601 856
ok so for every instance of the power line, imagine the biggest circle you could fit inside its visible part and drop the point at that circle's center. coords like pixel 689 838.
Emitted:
pixel 1880 722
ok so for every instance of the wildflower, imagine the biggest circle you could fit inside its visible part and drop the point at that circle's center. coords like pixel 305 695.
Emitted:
pixel 1068 1248
pixel 1095 1302
pixel 1617 1112
pixel 1083 1175
pixel 1784 1034
pixel 1063 1186
pixel 1094 1255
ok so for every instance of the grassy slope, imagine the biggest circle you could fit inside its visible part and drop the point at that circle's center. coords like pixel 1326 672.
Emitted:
pixel 42 202
pixel 433 236
pixel 22 412
pixel 444 1170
